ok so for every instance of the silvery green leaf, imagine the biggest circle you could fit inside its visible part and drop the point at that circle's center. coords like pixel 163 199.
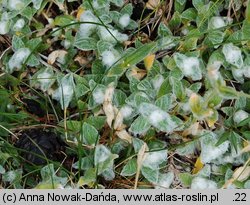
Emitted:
pixel 103 46
pixel 11 176
pixel 165 180
pixel 17 43
pixel 209 150
pixel 164 102
pixel 137 144
pixel 155 158
pixel 2 170
pixel 157 117
pixel 139 126
pixel 130 168
pixel 150 174
pixel 203 183
pixel 187 149
pixel 103 158
pixel 44 78
pixel 108 174
pixel 65 91
pixel 16 61
pixel 37 3
pixel 247 184
pixel 4 27
pixel 89 134
pixel 190 66
pixel 233 55
pixel 85 44
pixel 86 163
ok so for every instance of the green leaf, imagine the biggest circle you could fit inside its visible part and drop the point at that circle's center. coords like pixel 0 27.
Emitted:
pixel 228 92
pixel 63 20
pixel 224 137
pixel 198 4
pixel 17 43
pixel 96 121
pixel 150 174
pixel 33 44
pixel 130 168
pixel 89 178
pixel 103 46
pixel 89 134
pixel 2 170
pixel 85 44
pixel 132 58
pixel 157 117
pixel 186 179
pixel 86 163
pixel 190 66
pixel 137 144
pixel 175 21
pixel 103 158
pixel 179 5
pixel 246 134
pixel 28 12
pixel 12 176
pixel 248 12
pixel 64 93
pixel 244 122
pixel 233 138
pixel 177 88
pixel 139 126
pixel 163 30
pixel 189 14
pixel 164 102
pixel 47 172
pixel 127 9
pixel 214 38
pixel 81 89
pixel 245 30
pixel 233 55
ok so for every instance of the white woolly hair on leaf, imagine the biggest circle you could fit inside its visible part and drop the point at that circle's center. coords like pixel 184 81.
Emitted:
pixel 157 117
pixel 37 3
pixel 124 20
pixel 203 183
pixel 16 4
pixel 109 57
pixel 19 57
pixel 240 115
pixel 233 55
pixel 111 35
pixel 238 74
pixel 247 71
pixel 86 29
pixel 157 82
pixel 4 27
pixel 155 158
pixel 209 150
pixel 45 79
pixel 165 180
pixel 216 22
pixel 65 91
pixel 20 23
pixel 102 153
pixel 108 174
pixel 190 66
pixel 126 111
pixel 98 95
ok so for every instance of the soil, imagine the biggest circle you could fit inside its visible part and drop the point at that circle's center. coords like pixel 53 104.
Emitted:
pixel 39 144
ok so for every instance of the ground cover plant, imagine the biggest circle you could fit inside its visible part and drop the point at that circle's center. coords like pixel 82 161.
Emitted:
pixel 124 94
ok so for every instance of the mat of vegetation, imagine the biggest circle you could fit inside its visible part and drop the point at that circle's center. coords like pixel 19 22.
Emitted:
pixel 124 94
